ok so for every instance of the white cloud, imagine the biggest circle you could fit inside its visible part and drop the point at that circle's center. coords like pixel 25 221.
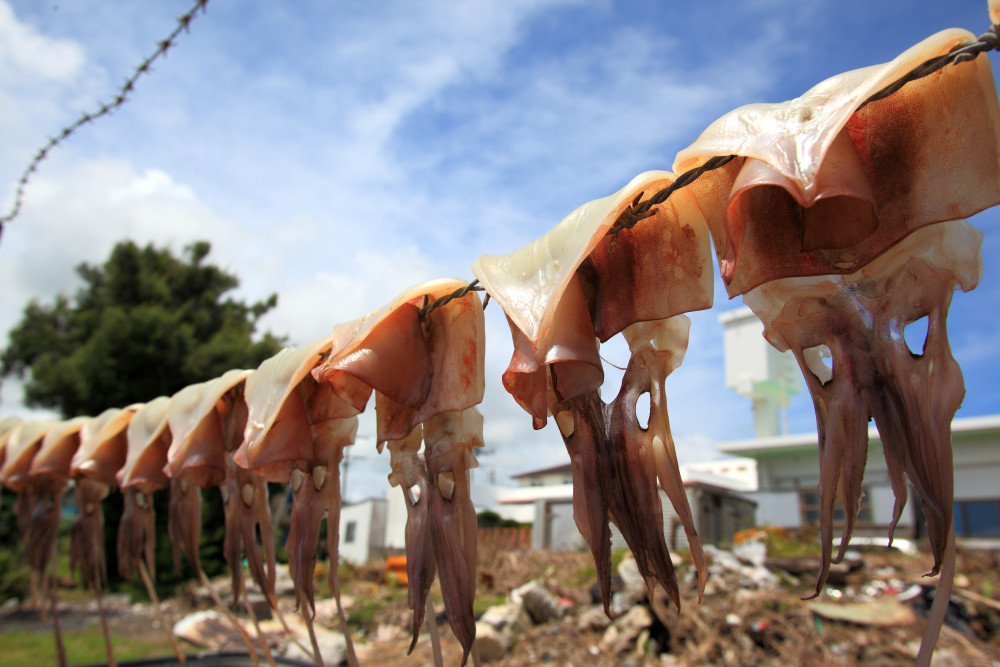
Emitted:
pixel 26 53
pixel 77 214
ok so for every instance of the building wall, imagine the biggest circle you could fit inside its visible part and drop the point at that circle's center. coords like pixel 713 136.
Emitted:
pixel 554 527
pixel 395 520
pixel 362 530
pixel 717 516
pixel 549 479
pixel 782 475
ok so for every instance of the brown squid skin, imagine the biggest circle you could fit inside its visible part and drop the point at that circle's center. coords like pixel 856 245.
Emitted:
pixel 49 478
pixel 244 495
pixel 184 522
pixel 409 472
pixel 449 439
pixel 618 480
pixel 912 396
pixel 43 527
pixel 87 534
pixel 303 537
pixel 94 466
pixel 616 462
pixel 137 534
pixel 659 348
pixel 424 364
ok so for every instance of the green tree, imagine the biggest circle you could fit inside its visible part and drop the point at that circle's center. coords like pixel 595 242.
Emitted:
pixel 144 324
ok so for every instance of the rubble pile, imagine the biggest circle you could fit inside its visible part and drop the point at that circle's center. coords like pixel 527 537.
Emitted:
pixel 871 611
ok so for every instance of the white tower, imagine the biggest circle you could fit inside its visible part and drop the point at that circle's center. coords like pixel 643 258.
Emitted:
pixel 758 371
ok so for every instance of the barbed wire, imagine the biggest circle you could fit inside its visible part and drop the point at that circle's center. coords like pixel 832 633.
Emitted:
pixel 120 97
pixel 641 209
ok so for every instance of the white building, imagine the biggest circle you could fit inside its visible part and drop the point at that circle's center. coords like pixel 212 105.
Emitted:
pixel 718 502
pixel 788 472
pixel 363 530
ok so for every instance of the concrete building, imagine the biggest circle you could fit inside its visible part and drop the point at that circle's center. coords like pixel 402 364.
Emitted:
pixel 718 504
pixel 788 472
pixel 362 530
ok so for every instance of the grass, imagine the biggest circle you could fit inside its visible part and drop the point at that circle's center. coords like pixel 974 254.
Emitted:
pixel 83 646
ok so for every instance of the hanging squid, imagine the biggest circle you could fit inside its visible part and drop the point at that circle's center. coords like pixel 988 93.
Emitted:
pixel 207 422
pixel 409 473
pixel 23 442
pixel 583 282
pixel 828 185
pixel 296 433
pixel 142 475
pixel 421 366
pixel 98 459
pixel 49 478
pixel 858 321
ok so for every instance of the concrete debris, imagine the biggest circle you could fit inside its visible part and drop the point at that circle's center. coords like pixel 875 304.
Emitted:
pixel 540 604
pixel 208 629
pixel 332 646
pixel 621 636
pixel 724 565
pixel 885 611
pixel 593 619
pixel 511 617
pixel 492 644
pixel 633 588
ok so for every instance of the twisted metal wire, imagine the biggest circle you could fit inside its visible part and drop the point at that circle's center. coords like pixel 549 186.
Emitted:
pixel 122 96
pixel 428 308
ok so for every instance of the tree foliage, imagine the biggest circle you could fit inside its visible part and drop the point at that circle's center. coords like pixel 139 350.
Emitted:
pixel 144 324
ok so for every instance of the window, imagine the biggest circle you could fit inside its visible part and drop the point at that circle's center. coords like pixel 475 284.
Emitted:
pixel 349 530
pixel 977 518
pixel 810 509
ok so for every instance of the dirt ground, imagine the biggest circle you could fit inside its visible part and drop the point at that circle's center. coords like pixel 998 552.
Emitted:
pixel 734 625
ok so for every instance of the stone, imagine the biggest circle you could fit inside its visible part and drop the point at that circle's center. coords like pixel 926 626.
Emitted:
pixel 332 646
pixel 621 636
pixel 511 617
pixel 492 644
pixel 592 619
pixel 540 604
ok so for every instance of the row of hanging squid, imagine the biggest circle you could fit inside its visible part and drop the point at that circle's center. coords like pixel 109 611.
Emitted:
pixel 838 221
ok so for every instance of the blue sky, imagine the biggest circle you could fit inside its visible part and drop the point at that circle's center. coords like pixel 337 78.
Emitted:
pixel 337 153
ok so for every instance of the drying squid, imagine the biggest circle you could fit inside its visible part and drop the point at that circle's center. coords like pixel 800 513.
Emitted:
pixel 296 432
pixel 22 444
pixel 7 425
pixel 49 476
pixel 409 473
pixel 420 366
pixel 142 474
pixel 148 441
pixel 100 456
pixel 449 438
pixel 823 184
pixel 858 321
pixel 207 421
pixel 583 282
